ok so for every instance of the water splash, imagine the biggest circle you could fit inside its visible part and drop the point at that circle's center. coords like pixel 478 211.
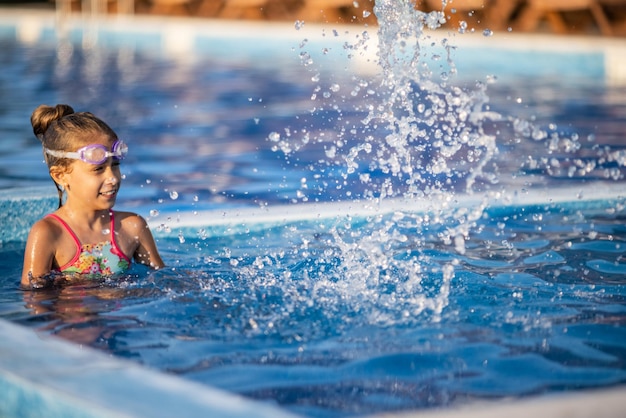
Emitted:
pixel 435 135
pixel 421 138
pixel 420 135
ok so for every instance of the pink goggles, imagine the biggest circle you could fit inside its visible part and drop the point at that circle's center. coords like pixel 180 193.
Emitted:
pixel 93 153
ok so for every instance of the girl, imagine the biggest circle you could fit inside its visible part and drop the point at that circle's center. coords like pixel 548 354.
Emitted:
pixel 83 236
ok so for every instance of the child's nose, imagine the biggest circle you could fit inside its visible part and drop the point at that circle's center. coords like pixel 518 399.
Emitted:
pixel 112 176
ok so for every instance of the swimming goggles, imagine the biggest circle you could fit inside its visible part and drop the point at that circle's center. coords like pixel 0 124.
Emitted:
pixel 93 153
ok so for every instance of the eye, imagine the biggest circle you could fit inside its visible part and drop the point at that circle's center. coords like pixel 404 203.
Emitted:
pixel 99 168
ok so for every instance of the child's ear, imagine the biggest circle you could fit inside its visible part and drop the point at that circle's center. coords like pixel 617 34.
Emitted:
pixel 58 174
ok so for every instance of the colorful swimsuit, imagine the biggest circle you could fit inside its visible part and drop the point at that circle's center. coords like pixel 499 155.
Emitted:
pixel 102 259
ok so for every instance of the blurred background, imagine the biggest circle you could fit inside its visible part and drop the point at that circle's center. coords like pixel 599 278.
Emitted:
pixel 588 17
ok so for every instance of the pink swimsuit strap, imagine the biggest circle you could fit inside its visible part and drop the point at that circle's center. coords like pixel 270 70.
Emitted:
pixel 115 249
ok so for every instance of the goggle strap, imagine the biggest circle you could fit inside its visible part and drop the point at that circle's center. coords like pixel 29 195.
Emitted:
pixel 63 154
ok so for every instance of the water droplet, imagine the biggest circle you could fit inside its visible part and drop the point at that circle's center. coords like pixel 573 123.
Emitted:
pixel 274 136
pixel 299 24
pixel 154 213
pixel 366 14
pixel 173 195
pixel 487 32
pixel 462 26
pixel 106 231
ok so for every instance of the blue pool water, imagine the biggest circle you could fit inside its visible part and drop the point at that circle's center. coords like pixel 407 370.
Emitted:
pixel 314 260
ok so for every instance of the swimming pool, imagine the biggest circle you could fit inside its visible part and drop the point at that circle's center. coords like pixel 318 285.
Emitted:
pixel 303 271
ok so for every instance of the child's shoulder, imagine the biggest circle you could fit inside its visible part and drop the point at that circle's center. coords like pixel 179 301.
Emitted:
pixel 130 220
pixel 123 215
pixel 47 228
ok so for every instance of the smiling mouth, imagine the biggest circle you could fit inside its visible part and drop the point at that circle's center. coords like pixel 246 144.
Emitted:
pixel 109 193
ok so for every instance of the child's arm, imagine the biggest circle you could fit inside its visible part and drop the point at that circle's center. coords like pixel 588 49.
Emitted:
pixel 146 252
pixel 39 252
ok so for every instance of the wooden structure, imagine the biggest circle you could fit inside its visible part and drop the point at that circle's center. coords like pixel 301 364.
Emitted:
pixel 551 10
pixel 323 10
pixel 607 17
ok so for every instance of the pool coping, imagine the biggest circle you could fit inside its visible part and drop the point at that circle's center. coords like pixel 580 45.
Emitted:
pixel 596 403
pixel 42 375
pixel 243 217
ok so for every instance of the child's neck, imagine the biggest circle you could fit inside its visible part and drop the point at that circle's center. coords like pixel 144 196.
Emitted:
pixel 91 219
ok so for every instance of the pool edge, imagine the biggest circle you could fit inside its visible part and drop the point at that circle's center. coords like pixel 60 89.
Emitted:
pixel 278 214
pixel 596 403
pixel 53 376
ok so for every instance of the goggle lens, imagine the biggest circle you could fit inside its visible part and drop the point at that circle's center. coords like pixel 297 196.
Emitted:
pixel 93 154
pixel 120 149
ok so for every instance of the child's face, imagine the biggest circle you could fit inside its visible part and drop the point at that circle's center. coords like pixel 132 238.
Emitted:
pixel 94 185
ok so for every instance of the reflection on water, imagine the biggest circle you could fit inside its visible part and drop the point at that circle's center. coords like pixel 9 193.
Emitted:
pixel 72 311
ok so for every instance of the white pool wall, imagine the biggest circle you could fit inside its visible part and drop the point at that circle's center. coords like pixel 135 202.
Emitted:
pixel 245 217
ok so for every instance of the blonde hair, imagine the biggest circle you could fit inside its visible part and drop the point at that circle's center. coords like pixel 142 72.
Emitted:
pixel 59 128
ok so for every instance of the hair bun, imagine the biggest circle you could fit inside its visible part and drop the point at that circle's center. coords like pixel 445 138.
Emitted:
pixel 45 115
